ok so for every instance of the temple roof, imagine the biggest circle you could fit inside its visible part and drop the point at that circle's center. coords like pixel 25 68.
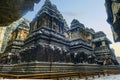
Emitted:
pixel 75 23
pixel 100 36
pixel 51 10
pixel 90 30
pixel 23 25
pixel 101 39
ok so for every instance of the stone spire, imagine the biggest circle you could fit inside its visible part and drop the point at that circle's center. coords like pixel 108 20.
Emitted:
pixel 24 25
pixel 76 23
pixel 51 10
pixel 92 31
pixel 47 3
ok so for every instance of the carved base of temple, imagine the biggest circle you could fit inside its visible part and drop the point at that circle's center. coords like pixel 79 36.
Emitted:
pixel 47 67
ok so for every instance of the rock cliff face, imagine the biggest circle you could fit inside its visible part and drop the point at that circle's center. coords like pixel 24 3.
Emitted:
pixel 113 12
pixel 11 10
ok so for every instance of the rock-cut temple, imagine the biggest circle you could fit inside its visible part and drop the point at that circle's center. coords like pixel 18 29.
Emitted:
pixel 49 39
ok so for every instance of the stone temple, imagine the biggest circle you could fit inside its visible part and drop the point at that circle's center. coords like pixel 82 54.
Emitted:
pixel 51 40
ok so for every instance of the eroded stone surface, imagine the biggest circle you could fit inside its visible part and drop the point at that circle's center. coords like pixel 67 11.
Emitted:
pixel 11 10
pixel 113 11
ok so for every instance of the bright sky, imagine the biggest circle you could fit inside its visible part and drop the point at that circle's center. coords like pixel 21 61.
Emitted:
pixel 91 13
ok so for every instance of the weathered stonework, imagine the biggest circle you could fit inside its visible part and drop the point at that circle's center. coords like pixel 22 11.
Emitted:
pixel 12 10
pixel 11 53
pixel 2 32
pixel 80 42
pixel 47 42
pixel 102 49
pixel 50 40
pixel 113 11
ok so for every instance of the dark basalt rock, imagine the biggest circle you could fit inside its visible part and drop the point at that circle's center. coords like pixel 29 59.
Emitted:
pixel 51 41
pixel 113 12
pixel 12 10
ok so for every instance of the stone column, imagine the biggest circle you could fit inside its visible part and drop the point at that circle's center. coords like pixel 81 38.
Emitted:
pixel 52 23
pixel 47 21
pixel 93 45
pixel 59 26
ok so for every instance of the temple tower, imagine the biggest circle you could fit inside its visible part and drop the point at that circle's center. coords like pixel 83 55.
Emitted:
pixel 102 49
pixel 46 41
pixel 18 37
pixel 11 53
pixel 81 38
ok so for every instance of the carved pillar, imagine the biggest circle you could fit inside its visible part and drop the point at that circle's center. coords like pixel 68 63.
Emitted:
pixel 62 28
pixel 82 34
pixel 51 23
pixel 59 26
pixel 47 20
pixel 93 45
pixel 31 27
pixel 35 25
pixel 39 22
